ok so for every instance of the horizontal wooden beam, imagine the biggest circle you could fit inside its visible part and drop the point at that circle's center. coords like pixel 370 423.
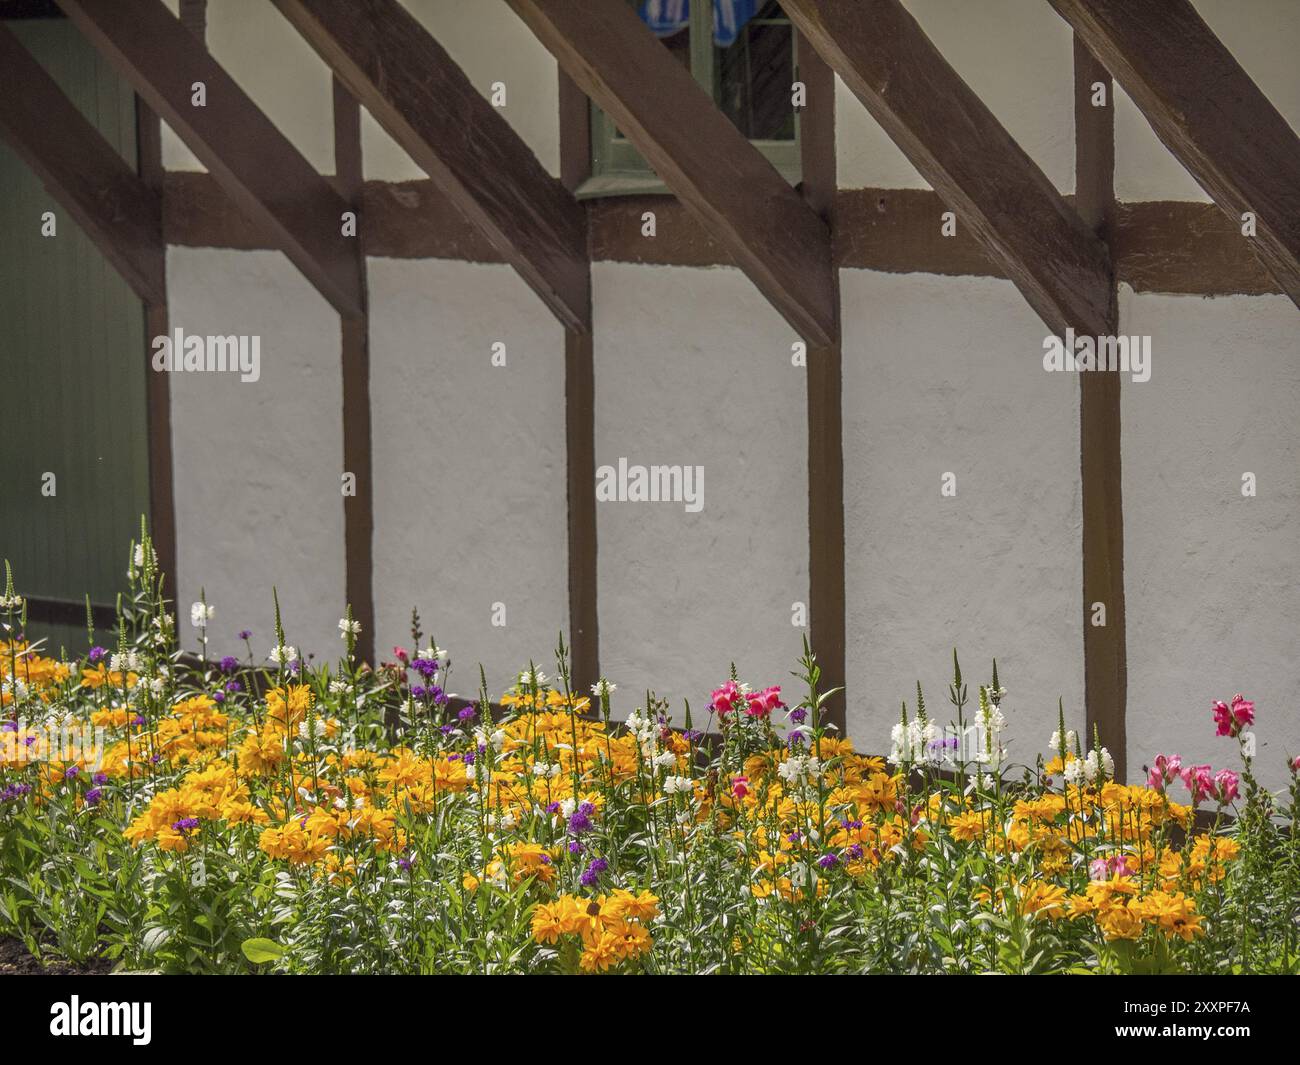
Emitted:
pixel 266 176
pixel 418 94
pixel 961 149
pixel 764 224
pixel 1170 246
pixel 82 172
pixel 1207 112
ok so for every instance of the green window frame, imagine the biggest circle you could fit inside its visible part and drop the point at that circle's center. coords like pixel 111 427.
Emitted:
pixel 618 169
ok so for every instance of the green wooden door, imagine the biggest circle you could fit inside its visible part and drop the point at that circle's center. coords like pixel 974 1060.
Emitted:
pixel 73 360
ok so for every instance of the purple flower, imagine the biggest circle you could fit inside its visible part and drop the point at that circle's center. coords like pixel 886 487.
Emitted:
pixel 71 772
pixel 468 757
pixel 575 847
pixel 446 730
pixel 93 796
pixel 795 837
pixel 580 819
pixel 96 653
pixel 234 686
pixel 185 824
pixel 138 719
pixel 828 861
pixel 9 726
pixel 798 715
pixel 245 634
pixel 417 692
pixel 100 778
pixel 467 713
pixel 591 875
pixel 855 852
pixel 404 864
pixel 219 697
pixel 14 791
pixel 228 664
pixel 426 667
pixel 551 807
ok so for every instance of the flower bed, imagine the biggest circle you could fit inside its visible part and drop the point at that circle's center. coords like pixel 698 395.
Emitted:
pixel 266 814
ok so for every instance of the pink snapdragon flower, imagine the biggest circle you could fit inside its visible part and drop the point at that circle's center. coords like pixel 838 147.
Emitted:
pixel 723 700
pixel 1199 780
pixel 1164 772
pixel 1230 720
pixel 1105 868
pixel 1295 764
pixel 740 787
pixel 761 704
pixel 1225 786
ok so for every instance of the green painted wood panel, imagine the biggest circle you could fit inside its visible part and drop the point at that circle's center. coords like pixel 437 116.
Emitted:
pixel 73 359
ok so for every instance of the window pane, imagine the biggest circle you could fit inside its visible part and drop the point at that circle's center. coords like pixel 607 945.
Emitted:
pixel 669 20
pixel 754 73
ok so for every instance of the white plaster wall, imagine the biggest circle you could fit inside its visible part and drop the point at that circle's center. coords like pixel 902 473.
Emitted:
pixel 1015 54
pixel 945 375
pixel 1264 37
pixel 694 367
pixel 257 464
pixel 1212 592
pixel 490 44
pixel 469 466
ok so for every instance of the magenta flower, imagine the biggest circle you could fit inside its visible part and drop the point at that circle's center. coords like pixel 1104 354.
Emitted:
pixel 723 700
pixel 761 704
pixel 1243 711
pixel 1225 786
pixel 1164 772
pixel 1230 720
pixel 1199 780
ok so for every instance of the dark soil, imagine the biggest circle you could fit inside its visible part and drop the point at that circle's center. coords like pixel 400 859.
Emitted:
pixel 16 960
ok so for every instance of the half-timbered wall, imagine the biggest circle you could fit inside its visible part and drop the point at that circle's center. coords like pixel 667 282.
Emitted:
pixel 940 375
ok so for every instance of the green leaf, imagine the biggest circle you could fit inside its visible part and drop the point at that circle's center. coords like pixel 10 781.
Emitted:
pixel 261 951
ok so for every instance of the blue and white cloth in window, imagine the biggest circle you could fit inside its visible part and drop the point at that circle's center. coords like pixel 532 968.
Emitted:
pixel 666 17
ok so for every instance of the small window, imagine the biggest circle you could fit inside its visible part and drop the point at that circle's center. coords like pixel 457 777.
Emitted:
pixel 743 53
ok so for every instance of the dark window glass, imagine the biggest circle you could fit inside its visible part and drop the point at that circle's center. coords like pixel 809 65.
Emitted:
pixel 753 75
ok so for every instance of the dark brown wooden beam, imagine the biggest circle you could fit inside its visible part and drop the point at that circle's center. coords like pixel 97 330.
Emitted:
pixel 354 350
pixel 1105 654
pixel 158 404
pixel 825 387
pixel 1181 246
pixel 1172 246
pixel 762 222
pixel 82 172
pixel 415 90
pixel 266 175
pixel 1207 112
pixel 580 421
pixel 962 150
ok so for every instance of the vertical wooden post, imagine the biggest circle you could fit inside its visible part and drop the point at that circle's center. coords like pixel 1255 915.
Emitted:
pixel 579 419
pixel 1105 663
pixel 358 509
pixel 825 386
